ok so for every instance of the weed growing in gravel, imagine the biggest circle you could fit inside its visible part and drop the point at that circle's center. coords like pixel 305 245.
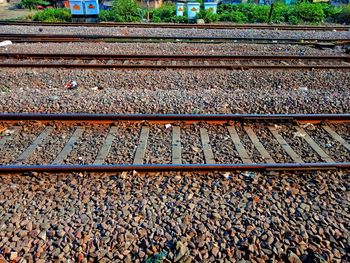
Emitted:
pixel 4 89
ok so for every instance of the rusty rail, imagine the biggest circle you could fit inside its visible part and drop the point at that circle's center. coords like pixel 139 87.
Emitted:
pixel 172 167
pixel 179 26
pixel 200 39
pixel 173 117
pixel 36 57
pixel 169 57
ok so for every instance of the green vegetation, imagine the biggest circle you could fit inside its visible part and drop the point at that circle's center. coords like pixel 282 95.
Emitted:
pixel 344 15
pixel 163 14
pixel 128 11
pixel 32 4
pixel 305 13
pixel 208 16
pixel 53 15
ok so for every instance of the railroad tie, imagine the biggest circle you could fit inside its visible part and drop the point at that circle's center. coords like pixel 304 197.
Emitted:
pixel 31 148
pixel 208 152
pixel 295 157
pixel 336 136
pixel 4 140
pixel 258 145
pixel 69 146
pixel 238 145
pixel 141 148
pixel 107 144
pixel 176 146
pixel 325 157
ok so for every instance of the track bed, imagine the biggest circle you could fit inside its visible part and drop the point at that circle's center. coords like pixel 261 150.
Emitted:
pixel 177 146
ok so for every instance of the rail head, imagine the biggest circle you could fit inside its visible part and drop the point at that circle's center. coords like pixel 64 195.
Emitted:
pixel 83 117
pixel 9 169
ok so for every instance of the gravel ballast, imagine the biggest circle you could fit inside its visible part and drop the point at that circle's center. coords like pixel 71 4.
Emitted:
pixel 183 217
pixel 167 49
pixel 175 91
pixel 171 32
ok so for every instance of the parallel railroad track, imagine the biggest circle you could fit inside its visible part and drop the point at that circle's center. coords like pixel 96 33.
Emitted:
pixel 110 143
pixel 204 26
pixel 116 61
pixel 20 38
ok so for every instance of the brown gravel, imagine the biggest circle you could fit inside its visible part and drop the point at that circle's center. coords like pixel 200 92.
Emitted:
pixel 115 31
pixel 191 145
pixel 166 48
pixel 329 145
pixel 18 138
pixel 52 145
pixel 300 146
pixel 130 217
pixel 175 91
pixel 222 144
pixel 159 141
pixel 125 143
pixel 190 217
pixel 86 149
pixel 271 145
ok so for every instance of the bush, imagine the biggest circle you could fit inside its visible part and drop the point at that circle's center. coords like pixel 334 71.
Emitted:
pixel 236 17
pixel 280 13
pixel 53 15
pixel 294 14
pixel 344 15
pixel 310 13
pixel 331 11
pixel 156 19
pixel 126 11
pixel 166 13
pixel 226 8
pixel 107 15
pixel 32 4
pixel 252 13
pixel 293 20
pixel 208 16
pixel 259 14
pixel 179 19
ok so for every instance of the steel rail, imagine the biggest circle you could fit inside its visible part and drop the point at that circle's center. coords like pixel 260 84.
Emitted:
pixel 43 56
pixel 111 38
pixel 179 26
pixel 171 117
pixel 172 167
pixel 134 67
pixel 172 57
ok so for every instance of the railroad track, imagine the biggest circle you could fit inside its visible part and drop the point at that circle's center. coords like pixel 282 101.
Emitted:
pixel 153 143
pixel 204 26
pixel 20 38
pixel 115 61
